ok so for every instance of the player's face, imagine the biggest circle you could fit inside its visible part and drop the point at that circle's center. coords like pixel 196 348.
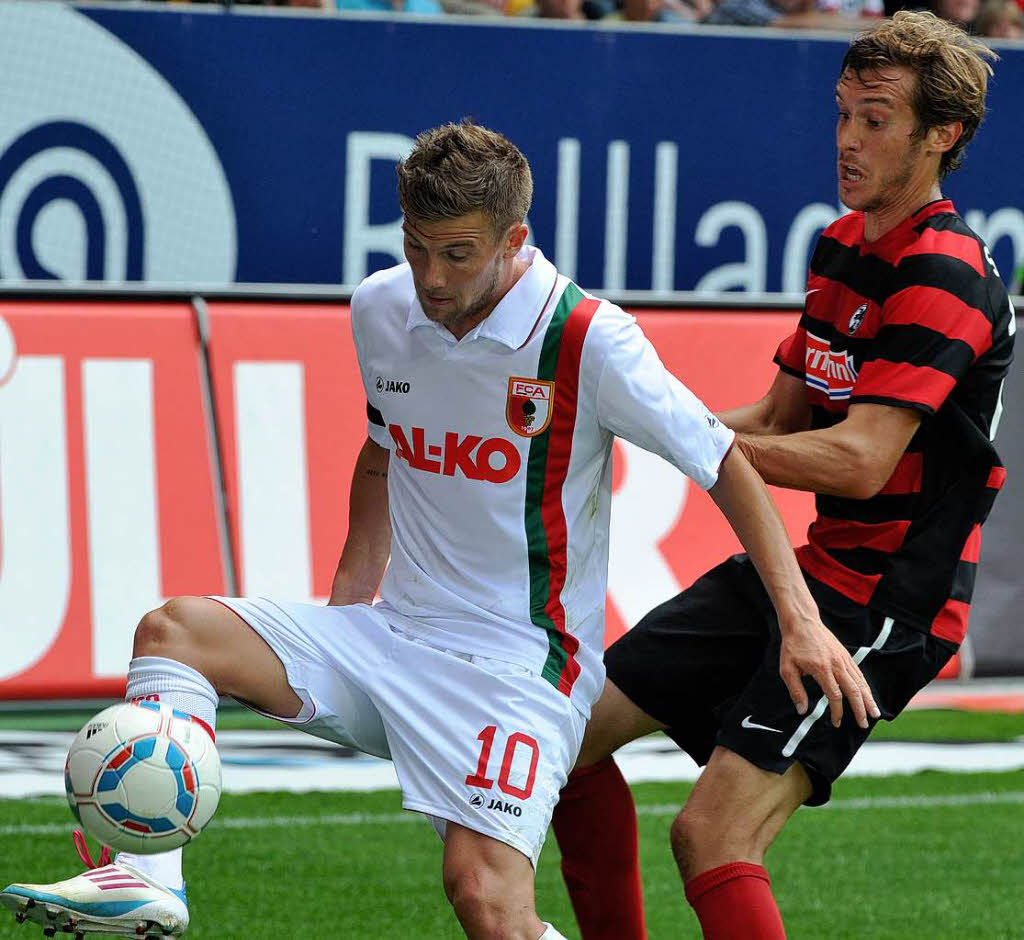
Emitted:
pixel 882 164
pixel 459 267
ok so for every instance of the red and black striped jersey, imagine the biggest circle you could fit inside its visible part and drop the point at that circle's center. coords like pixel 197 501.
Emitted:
pixel 916 319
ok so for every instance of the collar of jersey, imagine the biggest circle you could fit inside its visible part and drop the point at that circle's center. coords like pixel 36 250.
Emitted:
pixel 512 320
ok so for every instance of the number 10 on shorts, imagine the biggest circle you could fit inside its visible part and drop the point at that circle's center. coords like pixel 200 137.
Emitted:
pixel 517 746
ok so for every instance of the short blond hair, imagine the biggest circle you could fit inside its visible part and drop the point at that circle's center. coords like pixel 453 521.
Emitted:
pixel 951 67
pixel 456 169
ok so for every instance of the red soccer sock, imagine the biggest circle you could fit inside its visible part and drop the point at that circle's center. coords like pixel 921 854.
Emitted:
pixel 735 902
pixel 595 825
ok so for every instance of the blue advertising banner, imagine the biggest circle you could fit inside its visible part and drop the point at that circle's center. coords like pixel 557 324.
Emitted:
pixel 220 147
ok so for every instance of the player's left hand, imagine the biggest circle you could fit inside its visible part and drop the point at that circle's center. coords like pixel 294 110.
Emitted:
pixel 809 648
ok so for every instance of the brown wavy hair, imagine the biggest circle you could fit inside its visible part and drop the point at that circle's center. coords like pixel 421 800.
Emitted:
pixel 952 72
pixel 460 168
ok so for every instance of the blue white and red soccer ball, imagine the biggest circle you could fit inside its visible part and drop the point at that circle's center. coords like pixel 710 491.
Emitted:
pixel 143 777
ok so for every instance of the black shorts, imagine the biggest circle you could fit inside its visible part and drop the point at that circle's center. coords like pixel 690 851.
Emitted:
pixel 706 664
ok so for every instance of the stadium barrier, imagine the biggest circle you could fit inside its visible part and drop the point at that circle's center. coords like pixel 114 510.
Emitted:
pixel 150 448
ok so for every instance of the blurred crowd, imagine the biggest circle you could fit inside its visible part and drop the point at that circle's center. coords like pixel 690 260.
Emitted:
pixel 1002 19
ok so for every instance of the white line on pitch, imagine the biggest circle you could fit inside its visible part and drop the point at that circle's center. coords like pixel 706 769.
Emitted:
pixel 651 809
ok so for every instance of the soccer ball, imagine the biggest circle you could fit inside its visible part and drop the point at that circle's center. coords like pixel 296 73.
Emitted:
pixel 143 777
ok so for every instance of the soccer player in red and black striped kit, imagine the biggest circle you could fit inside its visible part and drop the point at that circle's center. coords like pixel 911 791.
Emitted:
pixel 886 404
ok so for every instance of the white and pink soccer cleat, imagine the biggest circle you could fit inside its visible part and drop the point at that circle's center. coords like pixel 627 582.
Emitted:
pixel 109 898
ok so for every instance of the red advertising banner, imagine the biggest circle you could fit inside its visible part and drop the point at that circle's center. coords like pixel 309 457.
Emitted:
pixel 292 418
pixel 106 496
pixel 107 503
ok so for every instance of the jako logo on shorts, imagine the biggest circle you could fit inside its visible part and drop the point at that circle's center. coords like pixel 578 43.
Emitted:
pixel 477 458
pixel 106 179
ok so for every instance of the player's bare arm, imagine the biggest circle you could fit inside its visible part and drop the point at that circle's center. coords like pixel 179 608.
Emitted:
pixel 784 410
pixel 368 544
pixel 854 458
pixel 808 646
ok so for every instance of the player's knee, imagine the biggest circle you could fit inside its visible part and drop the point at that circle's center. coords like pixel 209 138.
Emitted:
pixel 169 630
pixel 689 834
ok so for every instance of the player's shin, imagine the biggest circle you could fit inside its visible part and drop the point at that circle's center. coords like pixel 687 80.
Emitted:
pixel 595 825
pixel 154 678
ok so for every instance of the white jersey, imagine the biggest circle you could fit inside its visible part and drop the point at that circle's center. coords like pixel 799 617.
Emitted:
pixel 499 481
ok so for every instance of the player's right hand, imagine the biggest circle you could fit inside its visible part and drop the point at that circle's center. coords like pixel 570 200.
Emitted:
pixel 809 648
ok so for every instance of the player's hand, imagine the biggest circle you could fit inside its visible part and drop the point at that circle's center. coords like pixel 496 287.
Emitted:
pixel 809 648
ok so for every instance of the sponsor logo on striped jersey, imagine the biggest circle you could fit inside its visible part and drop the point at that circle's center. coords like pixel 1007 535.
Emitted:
pixel 829 371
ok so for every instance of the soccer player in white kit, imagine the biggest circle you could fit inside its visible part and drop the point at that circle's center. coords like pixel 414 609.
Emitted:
pixel 494 389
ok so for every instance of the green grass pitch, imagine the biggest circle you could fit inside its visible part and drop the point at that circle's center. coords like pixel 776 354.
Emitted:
pixel 929 856
pixel 925 856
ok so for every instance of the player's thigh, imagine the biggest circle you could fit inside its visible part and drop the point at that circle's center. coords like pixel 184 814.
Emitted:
pixel 689 658
pixel 763 726
pixel 615 720
pixel 214 640
pixel 329 657
pixel 481 743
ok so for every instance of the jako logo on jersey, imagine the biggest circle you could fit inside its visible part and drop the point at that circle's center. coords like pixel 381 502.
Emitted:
pixel 528 405
pixel 856 319
pixel 492 459
pixel 505 807
pixel 392 385
pixel 829 371
pixel 476 800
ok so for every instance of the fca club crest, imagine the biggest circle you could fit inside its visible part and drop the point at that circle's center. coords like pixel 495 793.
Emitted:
pixel 529 405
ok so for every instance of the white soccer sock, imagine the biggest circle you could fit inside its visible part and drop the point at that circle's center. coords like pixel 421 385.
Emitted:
pixel 178 685
pixel 551 933
pixel 187 690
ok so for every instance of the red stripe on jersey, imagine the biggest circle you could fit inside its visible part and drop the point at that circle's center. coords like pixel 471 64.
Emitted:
pixel 567 376
pixel 842 533
pixel 996 478
pixel 852 584
pixel 847 229
pixel 906 478
pixel 791 350
pixel 972 547
pixel 904 382
pixel 951 623
pixel 949 243
pixel 941 311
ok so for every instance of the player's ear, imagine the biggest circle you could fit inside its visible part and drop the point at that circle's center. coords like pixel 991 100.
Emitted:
pixel 515 239
pixel 942 137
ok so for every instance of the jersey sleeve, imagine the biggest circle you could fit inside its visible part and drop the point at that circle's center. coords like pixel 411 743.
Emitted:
pixel 639 400
pixel 929 337
pixel 376 428
pixel 791 356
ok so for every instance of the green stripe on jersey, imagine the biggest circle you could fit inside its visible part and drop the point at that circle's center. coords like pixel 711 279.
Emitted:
pixel 536 471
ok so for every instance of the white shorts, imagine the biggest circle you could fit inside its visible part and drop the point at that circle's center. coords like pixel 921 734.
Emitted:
pixel 483 743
